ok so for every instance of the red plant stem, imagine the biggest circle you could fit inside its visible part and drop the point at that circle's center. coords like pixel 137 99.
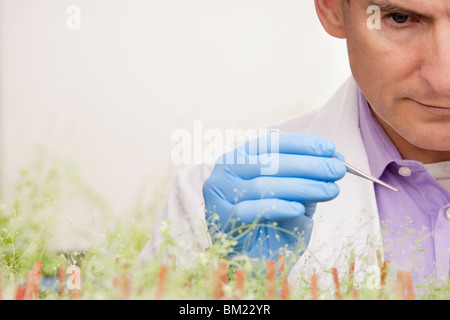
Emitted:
pixel 240 283
pixel 223 267
pixel 355 294
pixel 20 292
pixel 285 289
pixel 399 287
pixel 62 281
pixel 336 283
pixel 122 283
pixel 351 285
pixel 379 259
pixel 162 280
pixel 37 268
pixel 76 293
pixel 404 281
pixel 351 275
pixel 384 270
pixel 410 294
pixel 314 287
pixel 188 284
pixel 30 285
pixel 281 263
pixel 383 275
pixel 383 265
pixel 271 280
pixel 126 286
pixel 117 282
pixel 221 278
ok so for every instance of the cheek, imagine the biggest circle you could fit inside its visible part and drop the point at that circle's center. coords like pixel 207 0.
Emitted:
pixel 379 65
pixel 385 70
pixel 404 120
pixel 396 116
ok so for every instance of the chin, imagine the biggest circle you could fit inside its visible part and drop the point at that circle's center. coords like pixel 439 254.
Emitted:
pixel 432 144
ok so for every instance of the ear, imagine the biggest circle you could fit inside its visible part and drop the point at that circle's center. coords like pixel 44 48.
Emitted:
pixel 331 16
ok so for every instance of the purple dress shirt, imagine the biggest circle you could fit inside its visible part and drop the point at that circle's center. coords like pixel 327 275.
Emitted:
pixel 416 221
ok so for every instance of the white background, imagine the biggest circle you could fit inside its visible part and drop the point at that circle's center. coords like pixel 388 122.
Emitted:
pixel 106 98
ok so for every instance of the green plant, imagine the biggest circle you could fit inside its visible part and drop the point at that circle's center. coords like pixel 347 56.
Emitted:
pixel 110 268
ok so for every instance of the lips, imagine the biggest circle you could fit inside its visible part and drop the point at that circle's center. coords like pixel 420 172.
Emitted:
pixel 438 110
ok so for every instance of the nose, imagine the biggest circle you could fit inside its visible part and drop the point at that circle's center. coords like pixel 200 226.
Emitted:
pixel 436 62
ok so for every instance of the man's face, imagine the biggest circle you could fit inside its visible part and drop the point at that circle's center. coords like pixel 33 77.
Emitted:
pixel 403 68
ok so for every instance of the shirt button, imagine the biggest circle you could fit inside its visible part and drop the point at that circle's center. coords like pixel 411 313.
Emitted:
pixel 447 214
pixel 404 171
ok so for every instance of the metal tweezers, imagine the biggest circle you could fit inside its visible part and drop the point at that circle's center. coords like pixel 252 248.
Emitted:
pixel 356 171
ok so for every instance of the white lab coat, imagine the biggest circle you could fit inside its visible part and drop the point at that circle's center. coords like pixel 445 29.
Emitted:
pixel 344 226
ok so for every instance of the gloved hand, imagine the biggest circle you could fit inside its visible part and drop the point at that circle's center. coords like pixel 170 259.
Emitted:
pixel 264 193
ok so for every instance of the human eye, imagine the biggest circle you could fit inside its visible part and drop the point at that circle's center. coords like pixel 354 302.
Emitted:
pixel 401 20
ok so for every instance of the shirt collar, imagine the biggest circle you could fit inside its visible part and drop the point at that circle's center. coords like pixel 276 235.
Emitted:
pixel 379 147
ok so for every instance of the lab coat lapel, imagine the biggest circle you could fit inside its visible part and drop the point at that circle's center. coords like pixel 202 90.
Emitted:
pixel 348 225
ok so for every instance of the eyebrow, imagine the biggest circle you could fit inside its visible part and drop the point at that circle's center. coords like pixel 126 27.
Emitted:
pixel 389 7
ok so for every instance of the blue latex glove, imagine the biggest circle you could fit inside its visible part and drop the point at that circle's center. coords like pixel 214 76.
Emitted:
pixel 264 193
